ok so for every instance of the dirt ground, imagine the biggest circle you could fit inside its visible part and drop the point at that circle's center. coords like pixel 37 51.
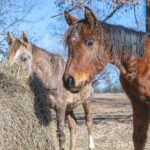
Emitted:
pixel 112 115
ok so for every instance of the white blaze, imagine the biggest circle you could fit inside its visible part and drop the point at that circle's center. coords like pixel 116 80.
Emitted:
pixel 17 55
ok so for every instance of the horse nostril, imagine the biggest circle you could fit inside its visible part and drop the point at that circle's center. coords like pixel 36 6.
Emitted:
pixel 70 82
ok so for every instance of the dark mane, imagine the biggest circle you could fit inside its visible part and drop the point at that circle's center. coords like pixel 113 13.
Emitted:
pixel 114 38
pixel 122 41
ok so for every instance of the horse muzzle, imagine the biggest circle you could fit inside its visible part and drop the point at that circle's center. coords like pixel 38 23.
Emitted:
pixel 70 84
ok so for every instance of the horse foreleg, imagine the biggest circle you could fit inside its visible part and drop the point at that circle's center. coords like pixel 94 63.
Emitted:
pixel 89 123
pixel 60 113
pixel 140 124
pixel 72 129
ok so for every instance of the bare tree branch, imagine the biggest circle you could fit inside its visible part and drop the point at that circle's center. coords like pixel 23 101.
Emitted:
pixel 61 14
pixel 114 11
pixel 3 53
pixel 102 76
pixel 16 13
pixel 135 15
pixel 75 6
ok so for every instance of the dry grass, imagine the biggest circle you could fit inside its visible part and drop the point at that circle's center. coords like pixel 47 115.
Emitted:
pixel 22 125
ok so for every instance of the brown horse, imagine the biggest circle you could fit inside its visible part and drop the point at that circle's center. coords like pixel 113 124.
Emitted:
pixel 93 44
pixel 49 68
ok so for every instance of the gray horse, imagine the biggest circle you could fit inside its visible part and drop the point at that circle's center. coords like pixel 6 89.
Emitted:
pixel 49 68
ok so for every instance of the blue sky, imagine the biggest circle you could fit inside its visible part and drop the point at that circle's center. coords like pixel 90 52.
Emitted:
pixel 47 32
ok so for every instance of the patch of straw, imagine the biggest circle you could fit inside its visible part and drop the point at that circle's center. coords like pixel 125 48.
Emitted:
pixel 19 126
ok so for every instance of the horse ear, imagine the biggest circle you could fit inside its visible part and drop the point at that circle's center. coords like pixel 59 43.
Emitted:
pixel 10 38
pixel 69 19
pixel 90 17
pixel 24 38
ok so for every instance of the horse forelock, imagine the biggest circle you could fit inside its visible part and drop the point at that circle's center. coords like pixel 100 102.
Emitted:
pixel 72 31
pixel 14 47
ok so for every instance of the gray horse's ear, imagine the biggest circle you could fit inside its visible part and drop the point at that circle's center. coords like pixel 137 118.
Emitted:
pixel 90 17
pixel 24 38
pixel 70 19
pixel 10 38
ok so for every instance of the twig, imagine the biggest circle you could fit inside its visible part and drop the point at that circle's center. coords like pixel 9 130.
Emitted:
pixel 135 15
pixel 2 53
pixel 60 14
pixel 114 11
pixel 76 6
pixel 102 76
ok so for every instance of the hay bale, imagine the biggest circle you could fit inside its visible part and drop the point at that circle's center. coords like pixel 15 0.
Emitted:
pixel 21 126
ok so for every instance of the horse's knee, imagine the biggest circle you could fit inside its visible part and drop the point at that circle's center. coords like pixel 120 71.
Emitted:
pixel 87 111
pixel 88 118
pixel 60 127
pixel 72 127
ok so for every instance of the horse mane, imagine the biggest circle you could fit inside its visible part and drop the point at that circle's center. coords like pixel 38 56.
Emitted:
pixel 123 41
pixel 71 31
pixel 36 49
pixel 117 39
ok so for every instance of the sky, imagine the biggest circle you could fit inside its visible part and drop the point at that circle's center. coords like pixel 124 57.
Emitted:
pixel 47 32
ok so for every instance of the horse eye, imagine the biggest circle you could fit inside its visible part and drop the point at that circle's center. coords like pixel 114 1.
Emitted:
pixel 89 43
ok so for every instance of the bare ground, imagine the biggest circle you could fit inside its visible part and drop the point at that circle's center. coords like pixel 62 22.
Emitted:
pixel 112 115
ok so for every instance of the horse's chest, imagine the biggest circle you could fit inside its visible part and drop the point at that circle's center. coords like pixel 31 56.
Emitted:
pixel 60 98
pixel 75 101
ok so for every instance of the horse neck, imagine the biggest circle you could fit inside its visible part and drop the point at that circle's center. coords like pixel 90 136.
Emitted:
pixel 124 62
pixel 46 63
pixel 36 56
pixel 120 46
